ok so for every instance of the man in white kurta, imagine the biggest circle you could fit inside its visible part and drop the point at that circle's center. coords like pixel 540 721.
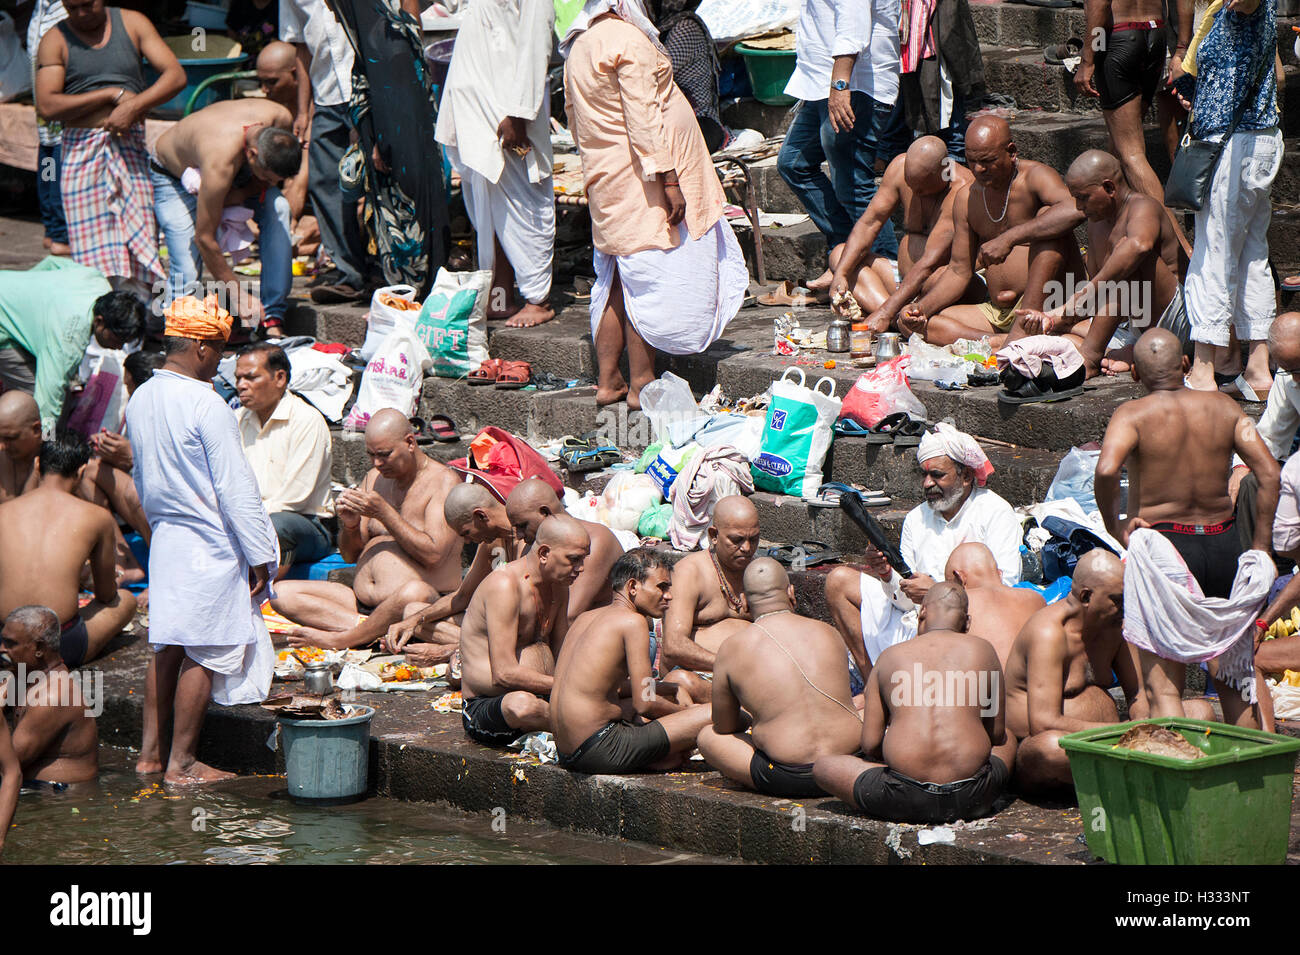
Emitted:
pixel 209 530
pixel 494 120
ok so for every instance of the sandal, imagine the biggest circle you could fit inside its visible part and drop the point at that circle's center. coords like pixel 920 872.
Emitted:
pixel 816 552
pixel 443 428
pixel 909 433
pixel 850 428
pixel 1058 53
pixel 787 293
pixel 828 495
pixel 582 460
pixel 882 432
pixel 514 374
pixel 486 373
pixel 1020 390
pixel 423 434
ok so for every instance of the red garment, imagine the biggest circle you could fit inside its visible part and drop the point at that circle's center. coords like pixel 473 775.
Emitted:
pixel 500 461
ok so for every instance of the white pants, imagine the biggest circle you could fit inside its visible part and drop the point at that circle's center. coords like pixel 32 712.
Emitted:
pixel 884 621
pixel 521 214
pixel 1228 280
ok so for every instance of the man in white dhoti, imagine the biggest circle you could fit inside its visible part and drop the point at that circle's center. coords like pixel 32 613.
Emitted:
pixel 494 120
pixel 210 531
pixel 875 608
pixel 669 272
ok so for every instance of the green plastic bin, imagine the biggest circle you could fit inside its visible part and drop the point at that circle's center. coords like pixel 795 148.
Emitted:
pixel 1231 808
pixel 327 762
pixel 769 71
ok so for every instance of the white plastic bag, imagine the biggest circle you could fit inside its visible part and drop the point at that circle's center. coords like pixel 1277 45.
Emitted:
pixel 931 363
pixel 627 497
pixel 730 20
pixel 668 403
pixel 392 379
pixel 385 319
pixel 452 324
pixel 1074 479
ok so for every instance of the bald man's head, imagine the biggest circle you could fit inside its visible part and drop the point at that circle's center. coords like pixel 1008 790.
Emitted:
pixel 1096 181
pixel 561 547
pixel 391 446
pixel 473 512
pixel 990 153
pixel 1284 341
pixel 276 73
pixel 767 586
pixel 1099 568
pixel 733 532
pixel 1094 166
pixel 925 168
pixel 530 503
pixel 1098 586
pixel 944 607
pixel 972 565
pixel 1158 359
pixel 20 426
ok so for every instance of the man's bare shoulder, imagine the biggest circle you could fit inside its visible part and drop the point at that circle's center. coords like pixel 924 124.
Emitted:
pixel 601 536
pixel 1043 632
pixel 689 569
pixel 1039 175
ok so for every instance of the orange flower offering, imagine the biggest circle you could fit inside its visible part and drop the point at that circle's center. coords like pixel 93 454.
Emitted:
pixel 397 302
pixel 187 317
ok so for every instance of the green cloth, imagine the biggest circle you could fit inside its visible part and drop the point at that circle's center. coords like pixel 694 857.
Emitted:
pixel 655 520
pixel 46 311
pixel 566 11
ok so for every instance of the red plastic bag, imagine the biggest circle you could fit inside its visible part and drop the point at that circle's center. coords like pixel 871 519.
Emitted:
pixel 881 392
pixel 499 461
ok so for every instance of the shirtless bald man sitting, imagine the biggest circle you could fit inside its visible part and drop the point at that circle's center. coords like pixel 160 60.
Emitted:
pixel 46 538
pixel 608 713
pixel 925 182
pixel 530 503
pixel 429 633
pixel 926 761
pixel 1060 666
pixel 997 612
pixel 790 674
pixel 1016 221
pixel 708 595
pixel 514 629
pixel 54 734
pixel 393 528
pixel 20 443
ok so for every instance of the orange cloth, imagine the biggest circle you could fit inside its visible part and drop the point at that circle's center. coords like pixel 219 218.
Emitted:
pixel 631 122
pixel 187 317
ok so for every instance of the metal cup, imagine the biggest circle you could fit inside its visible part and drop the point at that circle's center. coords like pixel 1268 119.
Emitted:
pixel 888 345
pixel 317 678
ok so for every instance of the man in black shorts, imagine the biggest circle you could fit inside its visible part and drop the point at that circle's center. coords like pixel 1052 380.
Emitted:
pixel 608 712
pixel 1122 63
pixel 1177 445
pixel 934 724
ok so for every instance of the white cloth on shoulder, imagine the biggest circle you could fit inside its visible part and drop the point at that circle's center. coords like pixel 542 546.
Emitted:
pixel 678 300
pixel 1166 612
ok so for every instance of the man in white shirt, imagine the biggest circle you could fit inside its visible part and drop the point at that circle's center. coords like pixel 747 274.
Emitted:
pixel 326 54
pixel 874 609
pixel 287 443
pixel 495 124
pixel 846 75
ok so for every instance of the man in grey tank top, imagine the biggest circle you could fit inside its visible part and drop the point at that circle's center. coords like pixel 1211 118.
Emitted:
pixel 89 77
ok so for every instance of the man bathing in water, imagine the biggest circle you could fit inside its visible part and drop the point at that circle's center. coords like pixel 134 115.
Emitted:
pixel 609 714
pixel 789 673
pixel 927 760
pixel 925 182
pixel 393 528
pixel 1133 266
pixel 476 515
pixel 997 612
pixel 39 566
pixel 1016 221
pixel 53 734
pixel 1177 445
pixel 20 443
pixel 709 597
pixel 513 630
pixel 1060 665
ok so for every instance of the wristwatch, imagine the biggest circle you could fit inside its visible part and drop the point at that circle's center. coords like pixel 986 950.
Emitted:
pixel 840 86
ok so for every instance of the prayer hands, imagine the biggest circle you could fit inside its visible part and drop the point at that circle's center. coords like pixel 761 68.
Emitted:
pixel 916 587
pixel 362 503
pixel 840 110
pixel 1083 79
pixel 512 131
pixel 995 251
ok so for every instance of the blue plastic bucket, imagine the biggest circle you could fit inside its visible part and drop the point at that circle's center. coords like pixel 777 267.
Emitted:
pixel 328 760
pixel 196 71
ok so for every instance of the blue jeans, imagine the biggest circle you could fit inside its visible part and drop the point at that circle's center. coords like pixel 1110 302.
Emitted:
pixel 174 208
pixel 835 204
pixel 302 539
pixel 954 136
pixel 340 234
pixel 49 168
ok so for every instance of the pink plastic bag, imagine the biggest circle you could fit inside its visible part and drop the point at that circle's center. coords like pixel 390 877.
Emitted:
pixel 881 392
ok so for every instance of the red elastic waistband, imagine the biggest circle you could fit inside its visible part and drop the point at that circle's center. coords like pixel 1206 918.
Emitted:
pixel 1137 25
pixel 1207 529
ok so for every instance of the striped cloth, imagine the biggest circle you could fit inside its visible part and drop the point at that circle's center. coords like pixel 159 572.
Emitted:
pixel 918 39
pixel 108 202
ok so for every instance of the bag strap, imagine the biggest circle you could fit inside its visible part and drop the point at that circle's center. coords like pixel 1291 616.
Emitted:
pixel 1240 111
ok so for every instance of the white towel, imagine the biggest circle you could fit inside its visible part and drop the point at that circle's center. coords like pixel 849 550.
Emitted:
pixel 1166 612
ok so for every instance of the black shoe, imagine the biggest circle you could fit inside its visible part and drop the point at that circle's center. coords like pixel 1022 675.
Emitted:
pixel 328 277
pixel 337 294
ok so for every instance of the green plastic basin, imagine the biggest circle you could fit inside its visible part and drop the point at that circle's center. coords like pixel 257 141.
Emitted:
pixel 769 71
pixel 1232 807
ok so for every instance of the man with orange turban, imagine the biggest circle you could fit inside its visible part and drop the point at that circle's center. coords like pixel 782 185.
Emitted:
pixel 210 532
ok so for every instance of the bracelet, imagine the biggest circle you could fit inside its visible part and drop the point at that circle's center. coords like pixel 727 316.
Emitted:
pixel 120 94
pixel 671 182
pixel 1262 624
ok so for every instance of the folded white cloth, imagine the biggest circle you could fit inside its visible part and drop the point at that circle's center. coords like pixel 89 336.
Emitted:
pixel 1166 612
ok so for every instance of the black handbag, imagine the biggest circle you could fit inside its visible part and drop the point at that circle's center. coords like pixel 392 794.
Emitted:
pixel 1192 172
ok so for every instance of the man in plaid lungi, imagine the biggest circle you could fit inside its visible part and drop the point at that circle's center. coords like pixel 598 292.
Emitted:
pixel 89 77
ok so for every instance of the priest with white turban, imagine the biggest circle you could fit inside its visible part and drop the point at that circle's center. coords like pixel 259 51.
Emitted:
pixel 875 609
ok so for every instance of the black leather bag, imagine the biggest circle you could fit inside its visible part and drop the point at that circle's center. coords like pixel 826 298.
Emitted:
pixel 1192 172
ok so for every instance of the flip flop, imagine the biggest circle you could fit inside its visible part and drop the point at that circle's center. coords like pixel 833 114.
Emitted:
pixel 816 552
pixel 882 432
pixel 423 433
pixel 581 461
pixel 828 495
pixel 849 428
pixel 1291 283
pixel 852 505
pixel 909 433
pixel 1244 389
pixel 1031 393
pixel 486 373
pixel 443 428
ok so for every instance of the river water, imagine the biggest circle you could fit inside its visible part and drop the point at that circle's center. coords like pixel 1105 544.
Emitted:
pixel 122 819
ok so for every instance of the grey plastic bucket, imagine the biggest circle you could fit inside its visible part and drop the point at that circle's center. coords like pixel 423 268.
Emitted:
pixel 328 760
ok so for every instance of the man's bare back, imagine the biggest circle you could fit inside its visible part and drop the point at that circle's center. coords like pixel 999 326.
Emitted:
pixel 997 613
pixel 537 619
pixel 589 677
pixel 213 138
pixel 39 565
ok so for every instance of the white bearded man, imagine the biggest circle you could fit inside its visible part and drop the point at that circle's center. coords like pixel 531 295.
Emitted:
pixel 874 609
pixel 494 119
pixel 210 532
